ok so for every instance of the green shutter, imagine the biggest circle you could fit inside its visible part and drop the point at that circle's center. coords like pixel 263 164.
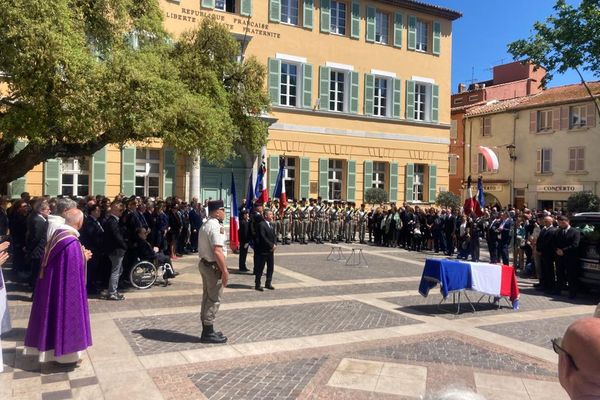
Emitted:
pixel 99 172
pixel 353 92
pixel 408 182
pixel 307 73
pixel 432 183
pixel 16 187
pixel 397 98
pixel 323 177
pixel 351 186
pixel 208 3
pixel 398 28
pixel 324 77
pixel 274 80
pixel 52 177
pixel 325 16
pixel 273 171
pixel 435 101
pixel 410 99
pixel 369 93
pixel 368 177
pixel 169 171
pixel 393 181
pixel 412 32
pixel 355 24
pixel 304 177
pixel 246 7
pixel 128 170
pixel 274 10
pixel 308 11
pixel 437 36
pixel 370 24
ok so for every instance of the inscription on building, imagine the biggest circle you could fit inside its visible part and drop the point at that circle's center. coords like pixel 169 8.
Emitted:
pixel 559 188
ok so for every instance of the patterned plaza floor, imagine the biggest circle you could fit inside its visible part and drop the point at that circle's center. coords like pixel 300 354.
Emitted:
pixel 328 331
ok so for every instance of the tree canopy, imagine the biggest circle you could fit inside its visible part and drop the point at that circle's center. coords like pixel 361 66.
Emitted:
pixel 78 75
pixel 570 39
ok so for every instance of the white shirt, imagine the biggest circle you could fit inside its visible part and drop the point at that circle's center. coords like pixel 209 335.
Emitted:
pixel 55 222
pixel 212 233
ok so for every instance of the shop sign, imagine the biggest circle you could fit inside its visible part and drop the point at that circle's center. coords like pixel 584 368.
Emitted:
pixel 559 188
pixel 492 188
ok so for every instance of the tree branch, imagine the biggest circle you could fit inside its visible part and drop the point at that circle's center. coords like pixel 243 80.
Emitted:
pixel 588 90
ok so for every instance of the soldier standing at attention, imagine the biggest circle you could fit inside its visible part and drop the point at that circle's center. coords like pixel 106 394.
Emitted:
pixel 213 269
pixel 286 224
pixel 362 223
pixel 304 218
pixel 295 221
pixel 334 222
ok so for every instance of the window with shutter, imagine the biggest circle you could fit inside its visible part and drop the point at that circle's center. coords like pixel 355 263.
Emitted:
pixel 99 172
pixel 577 116
pixel 338 17
pixel 576 159
pixel 289 12
pixel 544 161
pixel 307 13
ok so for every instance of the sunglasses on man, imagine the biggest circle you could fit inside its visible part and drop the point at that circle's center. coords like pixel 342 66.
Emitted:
pixel 557 346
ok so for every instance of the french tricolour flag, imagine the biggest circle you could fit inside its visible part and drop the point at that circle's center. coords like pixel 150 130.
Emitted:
pixel 261 190
pixel 279 192
pixel 495 280
pixel 234 219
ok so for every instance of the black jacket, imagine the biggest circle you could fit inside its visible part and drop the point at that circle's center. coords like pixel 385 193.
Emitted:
pixel 92 235
pixel 35 241
pixel 545 241
pixel 265 238
pixel 568 241
pixel 114 237
pixel 244 231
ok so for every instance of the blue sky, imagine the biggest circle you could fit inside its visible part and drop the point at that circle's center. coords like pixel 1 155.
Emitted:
pixel 481 36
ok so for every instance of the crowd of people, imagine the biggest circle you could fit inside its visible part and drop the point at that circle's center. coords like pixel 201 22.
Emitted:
pixel 542 244
pixel 117 232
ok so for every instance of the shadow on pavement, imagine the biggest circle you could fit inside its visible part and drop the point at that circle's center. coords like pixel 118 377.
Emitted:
pixel 239 286
pixel 162 335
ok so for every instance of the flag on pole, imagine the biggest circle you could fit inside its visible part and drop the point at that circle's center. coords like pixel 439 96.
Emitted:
pixel 234 219
pixel 471 205
pixel 250 193
pixel 261 191
pixel 480 194
pixel 279 192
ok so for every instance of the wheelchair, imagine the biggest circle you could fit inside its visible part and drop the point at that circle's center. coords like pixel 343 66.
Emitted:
pixel 144 274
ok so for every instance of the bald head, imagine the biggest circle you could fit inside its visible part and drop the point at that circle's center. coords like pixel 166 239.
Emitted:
pixel 74 218
pixel 582 342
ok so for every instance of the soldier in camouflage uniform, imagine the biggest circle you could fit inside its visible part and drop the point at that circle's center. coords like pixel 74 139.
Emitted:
pixel 295 222
pixel 286 224
pixel 363 220
pixel 311 220
pixel 348 222
pixel 276 221
pixel 334 222
pixel 326 210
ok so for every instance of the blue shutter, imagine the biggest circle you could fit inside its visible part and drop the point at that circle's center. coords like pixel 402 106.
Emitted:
pixel 99 172
pixel 308 12
pixel 273 171
pixel 355 23
pixel 16 187
pixel 353 92
pixel 323 178
pixel 274 80
pixel 307 73
pixel 128 170
pixel 412 32
pixel 52 177
pixel 370 24
pixel 325 16
pixel 397 97
pixel 169 171
pixel 351 186
pixel 408 182
pixel 437 36
pixel 324 78
pixel 398 28
pixel 393 182
pixel 432 183
pixel 304 177
pixel 274 10
pixel 435 101
pixel 246 7
pixel 369 93
pixel 410 99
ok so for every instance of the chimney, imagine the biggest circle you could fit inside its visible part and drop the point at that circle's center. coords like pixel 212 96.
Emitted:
pixel 462 88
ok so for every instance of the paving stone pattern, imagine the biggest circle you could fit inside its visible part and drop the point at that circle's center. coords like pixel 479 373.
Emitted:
pixel 167 333
pixel 538 332
pixel 280 381
pixel 452 351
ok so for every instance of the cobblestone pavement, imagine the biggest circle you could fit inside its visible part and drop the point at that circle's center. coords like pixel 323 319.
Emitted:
pixel 328 331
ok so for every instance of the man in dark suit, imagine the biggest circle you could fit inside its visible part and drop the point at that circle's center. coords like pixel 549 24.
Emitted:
pixel 449 231
pixel 91 236
pixel 244 236
pixel 264 249
pixel 504 232
pixel 35 239
pixel 545 247
pixel 566 243
pixel 114 240
pixel 195 224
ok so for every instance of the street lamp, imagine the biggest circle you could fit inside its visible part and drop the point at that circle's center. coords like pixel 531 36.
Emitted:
pixel 511 151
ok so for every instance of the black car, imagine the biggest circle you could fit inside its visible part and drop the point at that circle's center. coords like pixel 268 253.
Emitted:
pixel 588 224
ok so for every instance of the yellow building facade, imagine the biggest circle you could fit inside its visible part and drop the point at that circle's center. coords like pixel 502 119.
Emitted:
pixel 360 93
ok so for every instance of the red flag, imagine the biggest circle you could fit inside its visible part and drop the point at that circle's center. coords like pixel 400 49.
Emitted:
pixel 234 219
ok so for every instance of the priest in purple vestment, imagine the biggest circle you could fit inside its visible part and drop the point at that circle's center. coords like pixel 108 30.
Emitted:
pixel 59 324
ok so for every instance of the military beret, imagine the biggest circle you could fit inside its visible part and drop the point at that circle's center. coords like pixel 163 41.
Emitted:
pixel 214 205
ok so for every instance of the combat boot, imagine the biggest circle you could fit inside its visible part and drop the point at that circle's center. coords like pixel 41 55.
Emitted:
pixel 210 336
